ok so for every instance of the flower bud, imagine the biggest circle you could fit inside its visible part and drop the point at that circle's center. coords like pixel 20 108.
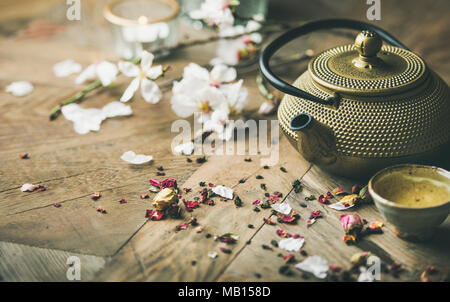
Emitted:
pixel 164 198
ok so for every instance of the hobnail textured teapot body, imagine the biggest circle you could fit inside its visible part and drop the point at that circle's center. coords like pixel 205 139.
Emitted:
pixel 377 109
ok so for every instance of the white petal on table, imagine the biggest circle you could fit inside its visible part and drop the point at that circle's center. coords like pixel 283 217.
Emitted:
pixel 131 89
pixel 283 208
pixel 20 88
pixel 136 159
pixel 340 206
pixel 66 68
pixel 28 188
pixel 185 149
pixel 114 109
pixel 212 255
pixel 291 244
pixel 315 265
pixel 224 192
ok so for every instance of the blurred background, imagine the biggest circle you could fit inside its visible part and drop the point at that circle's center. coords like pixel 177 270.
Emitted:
pixel 422 25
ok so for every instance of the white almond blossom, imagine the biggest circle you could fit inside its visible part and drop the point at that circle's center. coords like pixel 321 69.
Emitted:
pixel 220 124
pixel 20 88
pixel 103 70
pixel 215 13
pixel 204 101
pixel 236 96
pixel 66 68
pixel 143 77
pixel 196 77
pixel 231 52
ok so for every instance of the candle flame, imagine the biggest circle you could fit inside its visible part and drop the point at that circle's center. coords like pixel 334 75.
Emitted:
pixel 142 20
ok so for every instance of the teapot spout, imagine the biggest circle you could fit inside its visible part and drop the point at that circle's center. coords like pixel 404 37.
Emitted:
pixel 315 141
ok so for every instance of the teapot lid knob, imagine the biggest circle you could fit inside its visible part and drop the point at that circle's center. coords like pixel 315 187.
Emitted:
pixel 368 43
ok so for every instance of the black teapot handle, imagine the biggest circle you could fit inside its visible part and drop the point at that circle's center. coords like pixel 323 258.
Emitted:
pixel 294 33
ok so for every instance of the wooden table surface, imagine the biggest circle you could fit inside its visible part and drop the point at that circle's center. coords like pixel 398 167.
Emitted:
pixel 36 238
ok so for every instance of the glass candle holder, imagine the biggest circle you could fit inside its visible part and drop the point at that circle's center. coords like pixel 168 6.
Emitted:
pixel 142 25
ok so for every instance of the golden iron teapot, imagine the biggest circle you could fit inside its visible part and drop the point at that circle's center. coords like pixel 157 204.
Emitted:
pixel 359 108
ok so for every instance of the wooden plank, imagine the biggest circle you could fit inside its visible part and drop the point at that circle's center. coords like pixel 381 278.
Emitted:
pixel 30 264
pixel 324 238
pixel 166 256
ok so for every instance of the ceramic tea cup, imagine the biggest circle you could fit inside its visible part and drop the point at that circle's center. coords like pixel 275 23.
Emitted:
pixel 414 198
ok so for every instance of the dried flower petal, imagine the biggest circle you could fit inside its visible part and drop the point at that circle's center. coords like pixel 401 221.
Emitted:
pixel 225 250
pixel 376 227
pixel 101 210
pixel 256 202
pixel 144 196
pixel 338 191
pixel 122 201
pixel 154 215
pixel 190 205
pixel 316 214
pixel 96 195
pixel 310 221
pixel 291 218
pixel 322 199
pixel 228 238
pixel 335 268
pixel 360 258
pixel 268 221
pixel 199 229
pixel 289 258
pixel 57 205
pixel 349 239
pixel 168 183
pixel 24 156
pixel 355 189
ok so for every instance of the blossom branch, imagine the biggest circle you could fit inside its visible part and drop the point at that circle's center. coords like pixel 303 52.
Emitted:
pixel 94 85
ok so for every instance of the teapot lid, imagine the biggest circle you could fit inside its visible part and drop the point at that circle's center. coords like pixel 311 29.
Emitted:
pixel 368 67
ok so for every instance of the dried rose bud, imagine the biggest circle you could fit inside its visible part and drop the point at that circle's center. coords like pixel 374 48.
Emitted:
pixel 355 189
pixel 57 205
pixel 154 182
pixel 123 200
pixel 351 223
pixel 168 183
pixel 375 227
pixel 164 198
pixel 24 156
pixel 322 199
pixel 144 196
pixel 360 258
